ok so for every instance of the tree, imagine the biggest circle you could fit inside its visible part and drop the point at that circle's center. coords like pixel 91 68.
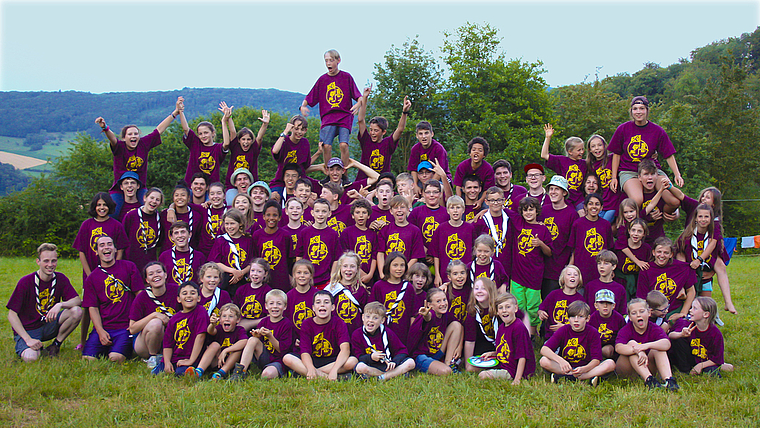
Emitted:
pixel 504 101
pixel 407 71
pixel 586 109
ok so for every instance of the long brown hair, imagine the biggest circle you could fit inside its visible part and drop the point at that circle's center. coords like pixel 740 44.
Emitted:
pixel 684 240
pixel 472 304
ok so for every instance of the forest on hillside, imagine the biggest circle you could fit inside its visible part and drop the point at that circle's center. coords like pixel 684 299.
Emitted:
pixel 707 102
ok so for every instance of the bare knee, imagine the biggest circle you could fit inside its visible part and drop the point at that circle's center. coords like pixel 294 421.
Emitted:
pixel 116 357
pixel 29 355
pixel 270 373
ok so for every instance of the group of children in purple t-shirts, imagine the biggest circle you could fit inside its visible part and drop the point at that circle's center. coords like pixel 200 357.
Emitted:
pixel 324 278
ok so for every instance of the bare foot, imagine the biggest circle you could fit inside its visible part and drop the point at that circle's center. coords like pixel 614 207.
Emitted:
pixel 730 308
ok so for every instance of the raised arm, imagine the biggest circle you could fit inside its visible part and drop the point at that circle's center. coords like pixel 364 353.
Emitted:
pixel 263 129
pixel 402 120
pixel 372 175
pixel 671 160
pixel 161 127
pixel 548 132
pixel 281 139
pixel 361 116
pixel 182 119
pixel 226 115
pixel 107 130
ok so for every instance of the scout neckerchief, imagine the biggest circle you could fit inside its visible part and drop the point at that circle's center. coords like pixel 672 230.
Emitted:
pixel 543 196
pixel 43 311
pixel 508 196
pixel 491 271
pixel 189 218
pixel 695 243
pixel 346 292
pixel 396 302
pixel 143 231
pixel 214 301
pixel 211 230
pixel 159 304
pixel 488 219
pixel 233 250
pixel 483 330
pixel 183 276
pixel 113 278
pixel 384 335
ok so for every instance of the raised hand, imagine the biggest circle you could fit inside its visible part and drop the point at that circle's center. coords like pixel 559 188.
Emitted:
pixel 264 116
pixel 407 105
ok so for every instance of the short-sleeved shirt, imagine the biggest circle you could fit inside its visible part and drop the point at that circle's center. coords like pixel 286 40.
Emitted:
pixel 494 227
pixel 194 217
pixel 635 143
pixel 428 220
pixel 484 173
pixel 323 340
pixel 625 264
pixel 143 305
pixel 458 298
pixel 559 222
pixel 360 347
pixel 574 171
pixel 404 239
pixel 202 158
pixel 669 280
pixel 705 345
pixel 112 291
pixel 556 304
pixel 452 243
pixel 235 253
pixel 133 160
pixel 182 266
pixel 494 270
pixel 528 260
pixel 228 338
pixel 349 305
pixel 24 299
pixel 334 94
pixel 143 233
pixel 251 301
pixel 242 159
pixel 603 170
pixel 587 239
pixel 435 151
pixel 212 227
pixel 86 240
pixel 322 248
pixel 577 347
pixel 341 218
pixel 206 302
pixel 361 242
pixel 297 153
pixel 299 306
pixel 513 196
pixel 282 330
pixel 181 332
pixel 276 249
pixel 426 337
pixel 621 296
pixel 608 328
pixel 294 237
pixel 652 333
pixel 376 155
pixel 512 343
pixel 380 214
pixel 397 307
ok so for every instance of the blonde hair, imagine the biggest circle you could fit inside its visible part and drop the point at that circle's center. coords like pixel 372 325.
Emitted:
pixel 564 271
pixel 276 294
pixel 472 304
pixel 206 267
pixel 572 142
pixel 337 276
pixel 374 308
pixel 303 262
pixel 232 308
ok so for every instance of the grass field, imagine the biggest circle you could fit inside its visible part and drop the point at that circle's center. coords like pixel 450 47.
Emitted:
pixel 70 392
pixel 54 148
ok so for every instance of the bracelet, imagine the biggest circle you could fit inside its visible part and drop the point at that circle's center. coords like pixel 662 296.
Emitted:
pixel 105 129
pixel 283 135
pixel 671 186
pixel 173 116
pixel 405 112
pixel 700 259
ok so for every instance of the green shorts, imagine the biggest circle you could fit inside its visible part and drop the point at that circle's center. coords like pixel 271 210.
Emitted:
pixel 527 300
pixel 624 176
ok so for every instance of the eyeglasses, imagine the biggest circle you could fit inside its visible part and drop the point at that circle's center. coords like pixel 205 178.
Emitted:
pixel 495 201
pixel 533 175
pixel 432 192
pixel 662 309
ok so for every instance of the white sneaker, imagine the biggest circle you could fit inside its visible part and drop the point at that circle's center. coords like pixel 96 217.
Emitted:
pixel 152 362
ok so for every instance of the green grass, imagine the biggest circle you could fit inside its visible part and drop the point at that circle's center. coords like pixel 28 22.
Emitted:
pixel 54 148
pixel 70 392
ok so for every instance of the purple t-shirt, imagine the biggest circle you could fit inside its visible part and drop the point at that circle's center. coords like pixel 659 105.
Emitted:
pixel 251 301
pixel 290 152
pixel 112 291
pixel 626 265
pixel 458 298
pixel 493 270
pixel 483 331
pixel 224 298
pixel 705 345
pixel 126 208
pixel 349 309
pixel 635 143
pixel 577 347
pixel 621 296
pixel 213 226
pixel 603 170
pixel 452 243
pixel 405 239
pixel 23 301
pixel 234 253
pixel 334 95
pixel 513 196
pixel 574 171
pixel 91 230
pixel 202 158
pixel 276 249
pixel 512 343
pixel 376 155
pixel 362 242
pixel 299 306
pixel 470 211
pixel 341 218
pixel 323 340
pixel 181 332
pixel 527 260
pixel 556 304
pixel 428 220
pixel 143 233
pixel 434 151
pixel 143 305
pixel 133 160
pixel 559 223
pixel 322 248
pixel 295 234
pixel 229 338
pixel 242 159
pixel 360 347
pixel 282 330
pixel 397 307
pixel 182 266
pixel 194 217
pixel 656 227
pixel 669 280
pixel 587 239
pixel 494 228
pixel 380 214
pixel 608 328
pixel 652 333
pixel 484 173
pixel 426 337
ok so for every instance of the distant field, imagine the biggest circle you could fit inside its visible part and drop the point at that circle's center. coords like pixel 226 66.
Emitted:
pixel 20 161
pixel 54 148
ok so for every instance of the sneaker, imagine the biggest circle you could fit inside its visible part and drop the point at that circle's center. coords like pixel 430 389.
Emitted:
pixel 719 321
pixel 159 366
pixel 671 384
pixel 345 376
pixel 152 362
pixel 594 381
pixel 238 373
pixel 362 376
pixel 454 365
pixel 217 376
pixel 653 383
pixel 193 372
pixel 53 350
pixel 554 378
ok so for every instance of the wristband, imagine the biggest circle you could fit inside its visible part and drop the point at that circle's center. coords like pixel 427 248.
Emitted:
pixel 173 116
pixel 700 259
pixel 283 135
pixel 405 112
pixel 671 186
pixel 105 129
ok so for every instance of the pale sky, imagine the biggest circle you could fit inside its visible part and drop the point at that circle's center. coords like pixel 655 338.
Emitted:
pixel 111 46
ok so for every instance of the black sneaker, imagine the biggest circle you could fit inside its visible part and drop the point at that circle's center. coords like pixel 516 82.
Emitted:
pixel 671 384
pixel 653 383
pixel 238 373
pixel 554 378
pixel 594 381
pixel 53 350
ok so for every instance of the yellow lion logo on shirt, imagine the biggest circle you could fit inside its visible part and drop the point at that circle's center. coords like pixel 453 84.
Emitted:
pixel 502 350
pixel 629 266
pixel 134 163
pixel 145 234
pixel 271 254
pixel 552 226
pixel 322 346
pixel 574 351
pixel 559 314
pixel 316 250
pixel 242 256
pixel 435 340
pixel 605 333
pixel 114 289
pixel 523 242
pixel 182 271
pixel 593 242
pixel 455 247
pixel 665 285
pixel 206 162
pixel 637 148
pixel 345 308
pixel 300 313
pixel 398 311
pixel 94 235
pixel 213 225
pixel 428 228
pixel 334 95
pixel 363 249
pixel 574 177
pixel 251 307
pixel 697 349
pixel 241 162
pixel 291 157
pixel 458 308
pixel 395 244
pixel 376 160
pixel 336 225
pixel 604 174
pixel 182 334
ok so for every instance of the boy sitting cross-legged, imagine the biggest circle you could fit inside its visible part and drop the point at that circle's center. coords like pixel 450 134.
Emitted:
pixel 379 351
